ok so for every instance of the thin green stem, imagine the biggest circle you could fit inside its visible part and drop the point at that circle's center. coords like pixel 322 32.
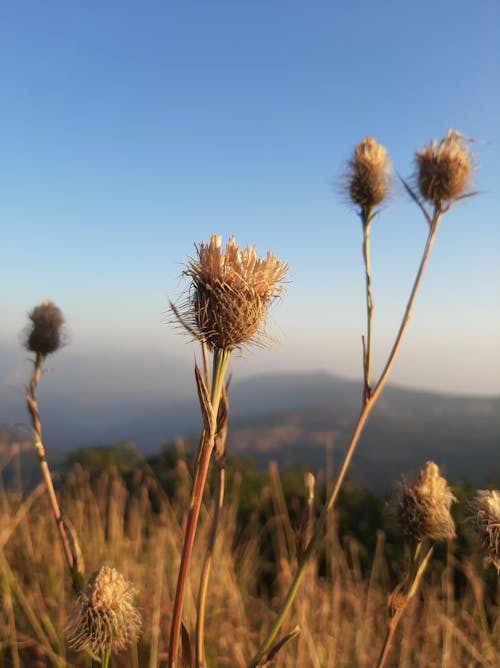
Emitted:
pixel 207 441
pixel 105 657
pixel 368 405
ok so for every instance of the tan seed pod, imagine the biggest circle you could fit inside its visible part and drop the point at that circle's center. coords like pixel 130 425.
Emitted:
pixel 485 507
pixel 444 169
pixel 368 176
pixel 105 617
pixel 43 336
pixel 423 505
pixel 230 294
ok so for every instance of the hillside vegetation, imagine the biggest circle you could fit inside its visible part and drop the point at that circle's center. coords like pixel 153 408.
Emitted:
pixel 131 519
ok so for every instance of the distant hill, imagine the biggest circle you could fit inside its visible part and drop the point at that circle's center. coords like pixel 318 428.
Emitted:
pixel 308 419
pixel 302 418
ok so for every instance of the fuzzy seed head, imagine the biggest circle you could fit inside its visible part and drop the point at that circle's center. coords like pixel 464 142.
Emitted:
pixel 105 617
pixel 444 169
pixel 485 508
pixel 424 501
pixel 230 293
pixel 368 177
pixel 43 336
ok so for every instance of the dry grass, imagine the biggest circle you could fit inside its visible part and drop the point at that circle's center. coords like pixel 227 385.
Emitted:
pixel 137 530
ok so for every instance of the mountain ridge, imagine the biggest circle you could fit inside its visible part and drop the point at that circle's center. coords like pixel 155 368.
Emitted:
pixel 303 418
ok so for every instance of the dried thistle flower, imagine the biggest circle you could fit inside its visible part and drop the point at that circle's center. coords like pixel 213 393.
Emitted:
pixel 424 501
pixel 105 617
pixel 43 336
pixel 444 169
pixel 485 507
pixel 368 177
pixel 230 293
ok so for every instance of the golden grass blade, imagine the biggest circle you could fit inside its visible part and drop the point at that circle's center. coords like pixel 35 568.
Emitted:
pixel 21 513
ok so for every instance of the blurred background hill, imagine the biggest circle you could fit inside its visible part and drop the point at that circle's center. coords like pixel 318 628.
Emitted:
pixel 300 419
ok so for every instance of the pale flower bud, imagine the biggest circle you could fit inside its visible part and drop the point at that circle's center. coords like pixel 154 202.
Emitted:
pixel 105 617
pixel 423 507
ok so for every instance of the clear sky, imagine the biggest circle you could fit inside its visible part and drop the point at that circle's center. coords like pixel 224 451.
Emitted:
pixel 131 130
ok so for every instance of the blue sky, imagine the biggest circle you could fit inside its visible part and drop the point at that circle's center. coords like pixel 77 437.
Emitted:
pixel 129 131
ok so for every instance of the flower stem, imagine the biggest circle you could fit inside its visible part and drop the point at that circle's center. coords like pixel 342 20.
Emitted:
pixel 391 628
pixel 202 592
pixel 402 595
pixel 207 440
pixel 366 218
pixel 366 409
pixel 32 404
pixel 105 657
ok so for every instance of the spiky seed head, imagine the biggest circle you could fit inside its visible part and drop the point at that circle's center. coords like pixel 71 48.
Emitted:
pixel 43 335
pixel 423 504
pixel 105 617
pixel 230 293
pixel 368 176
pixel 444 169
pixel 485 508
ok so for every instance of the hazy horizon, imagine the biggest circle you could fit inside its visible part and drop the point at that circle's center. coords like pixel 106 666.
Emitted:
pixel 110 396
pixel 288 416
pixel 108 373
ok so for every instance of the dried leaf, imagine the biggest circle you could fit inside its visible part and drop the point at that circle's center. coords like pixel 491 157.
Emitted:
pixel 186 654
pixel 281 643
pixel 420 572
pixel 416 199
pixel 78 567
pixel 220 438
pixel 204 399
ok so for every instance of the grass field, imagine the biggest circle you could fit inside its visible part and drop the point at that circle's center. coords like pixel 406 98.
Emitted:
pixel 137 528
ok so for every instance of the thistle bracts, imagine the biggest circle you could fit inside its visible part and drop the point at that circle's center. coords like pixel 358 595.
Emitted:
pixel 230 294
